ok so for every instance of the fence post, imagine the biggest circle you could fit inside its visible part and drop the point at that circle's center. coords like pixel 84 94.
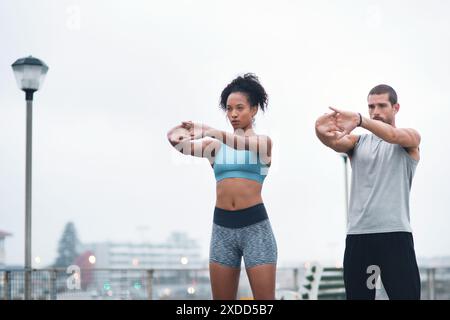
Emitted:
pixel 123 285
pixel 431 283
pixel 7 288
pixel 296 284
pixel 150 284
pixel 53 277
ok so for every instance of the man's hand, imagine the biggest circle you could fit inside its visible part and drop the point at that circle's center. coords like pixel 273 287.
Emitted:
pixel 334 136
pixel 326 125
pixel 346 121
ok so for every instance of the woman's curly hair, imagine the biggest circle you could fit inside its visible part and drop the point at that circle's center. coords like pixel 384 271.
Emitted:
pixel 249 85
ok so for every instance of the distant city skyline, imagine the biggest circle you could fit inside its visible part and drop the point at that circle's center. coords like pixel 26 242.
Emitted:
pixel 202 260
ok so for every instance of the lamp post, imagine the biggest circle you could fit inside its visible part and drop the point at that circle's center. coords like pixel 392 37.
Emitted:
pixel 345 158
pixel 30 74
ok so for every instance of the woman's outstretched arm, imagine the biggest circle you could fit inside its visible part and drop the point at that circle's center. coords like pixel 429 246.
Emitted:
pixel 260 144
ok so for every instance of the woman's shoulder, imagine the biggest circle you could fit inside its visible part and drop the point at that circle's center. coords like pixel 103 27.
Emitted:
pixel 265 139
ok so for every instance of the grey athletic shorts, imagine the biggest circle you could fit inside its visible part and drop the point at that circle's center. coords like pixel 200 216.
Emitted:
pixel 242 233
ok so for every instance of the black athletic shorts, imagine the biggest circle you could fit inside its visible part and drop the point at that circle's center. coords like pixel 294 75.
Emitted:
pixel 391 255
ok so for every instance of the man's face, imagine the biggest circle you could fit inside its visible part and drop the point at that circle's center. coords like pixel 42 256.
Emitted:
pixel 380 108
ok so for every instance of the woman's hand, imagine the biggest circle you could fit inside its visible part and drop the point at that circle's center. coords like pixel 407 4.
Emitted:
pixel 178 134
pixel 195 130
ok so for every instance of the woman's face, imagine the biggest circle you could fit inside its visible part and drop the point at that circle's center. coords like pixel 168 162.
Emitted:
pixel 239 111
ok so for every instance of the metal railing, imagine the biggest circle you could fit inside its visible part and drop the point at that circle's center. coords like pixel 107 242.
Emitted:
pixel 142 284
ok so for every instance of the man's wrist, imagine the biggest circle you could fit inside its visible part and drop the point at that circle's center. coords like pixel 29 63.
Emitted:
pixel 359 119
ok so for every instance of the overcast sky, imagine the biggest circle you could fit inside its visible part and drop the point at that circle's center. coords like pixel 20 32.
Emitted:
pixel 124 72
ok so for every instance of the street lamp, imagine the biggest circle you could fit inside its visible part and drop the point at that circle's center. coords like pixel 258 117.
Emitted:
pixel 30 74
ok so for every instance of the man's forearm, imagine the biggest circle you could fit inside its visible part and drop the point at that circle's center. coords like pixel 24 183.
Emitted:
pixel 382 130
pixel 327 140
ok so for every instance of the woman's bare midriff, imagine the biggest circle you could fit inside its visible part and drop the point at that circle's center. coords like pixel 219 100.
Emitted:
pixel 237 193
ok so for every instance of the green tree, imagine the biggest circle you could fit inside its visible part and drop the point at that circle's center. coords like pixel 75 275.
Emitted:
pixel 67 247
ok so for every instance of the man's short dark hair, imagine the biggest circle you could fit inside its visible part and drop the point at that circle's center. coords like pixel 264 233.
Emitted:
pixel 384 88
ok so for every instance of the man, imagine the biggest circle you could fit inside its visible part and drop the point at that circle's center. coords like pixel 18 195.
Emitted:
pixel 379 236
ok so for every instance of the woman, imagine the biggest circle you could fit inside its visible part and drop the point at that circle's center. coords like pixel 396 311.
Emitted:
pixel 240 160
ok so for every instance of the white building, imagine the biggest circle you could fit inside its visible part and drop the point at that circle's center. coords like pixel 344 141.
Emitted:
pixel 120 258
pixel 3 235
pixel 178 251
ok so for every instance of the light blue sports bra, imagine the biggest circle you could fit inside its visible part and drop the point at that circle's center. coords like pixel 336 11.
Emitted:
pixel 233 163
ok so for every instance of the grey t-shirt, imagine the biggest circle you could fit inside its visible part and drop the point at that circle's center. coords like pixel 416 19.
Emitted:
pixel 382 175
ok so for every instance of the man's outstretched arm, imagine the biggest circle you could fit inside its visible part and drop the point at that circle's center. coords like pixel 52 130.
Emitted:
pixel 406 137
pixel 346 121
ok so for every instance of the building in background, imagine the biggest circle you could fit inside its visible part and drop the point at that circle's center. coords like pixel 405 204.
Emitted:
pixel 3 235
pixel 112 268
pixel 178 251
